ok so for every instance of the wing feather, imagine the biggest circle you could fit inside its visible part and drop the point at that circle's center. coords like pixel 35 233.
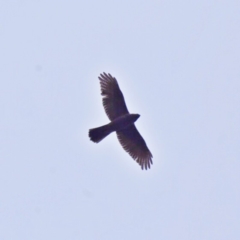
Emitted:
pixel 113 100
pixel 134 144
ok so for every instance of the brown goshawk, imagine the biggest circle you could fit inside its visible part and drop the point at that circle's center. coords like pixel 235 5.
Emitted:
pixel 122 122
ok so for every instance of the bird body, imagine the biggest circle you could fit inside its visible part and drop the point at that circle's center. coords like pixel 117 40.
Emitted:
pixel 98 134
pixel 122 122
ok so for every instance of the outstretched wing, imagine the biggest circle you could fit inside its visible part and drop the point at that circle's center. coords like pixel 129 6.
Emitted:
pixel 134 144
pixel 113 100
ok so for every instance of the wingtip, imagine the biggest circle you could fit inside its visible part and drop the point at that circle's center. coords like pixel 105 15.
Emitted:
pixel 146 164
pixel 105 75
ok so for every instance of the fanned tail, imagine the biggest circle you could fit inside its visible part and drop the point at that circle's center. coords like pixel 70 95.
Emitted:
pixel 98 134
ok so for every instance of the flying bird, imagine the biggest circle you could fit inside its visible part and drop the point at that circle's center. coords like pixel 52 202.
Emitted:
pixel 121 122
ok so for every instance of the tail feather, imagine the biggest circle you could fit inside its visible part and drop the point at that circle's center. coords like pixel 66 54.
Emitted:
pixel 98 134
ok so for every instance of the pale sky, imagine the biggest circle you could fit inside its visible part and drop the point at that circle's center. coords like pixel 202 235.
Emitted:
pixel 177 64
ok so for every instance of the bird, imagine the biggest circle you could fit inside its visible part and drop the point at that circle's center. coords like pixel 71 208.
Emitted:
pixel 121 122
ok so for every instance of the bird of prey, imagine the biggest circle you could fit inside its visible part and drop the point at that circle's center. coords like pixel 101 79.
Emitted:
pixel 122 122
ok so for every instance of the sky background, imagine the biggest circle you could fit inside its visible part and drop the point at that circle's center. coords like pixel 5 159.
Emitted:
pixel 177 64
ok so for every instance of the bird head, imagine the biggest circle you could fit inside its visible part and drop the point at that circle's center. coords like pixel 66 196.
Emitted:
pixel 135 116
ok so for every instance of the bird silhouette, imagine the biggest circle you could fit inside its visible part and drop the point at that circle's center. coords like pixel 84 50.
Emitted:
pixel 122 122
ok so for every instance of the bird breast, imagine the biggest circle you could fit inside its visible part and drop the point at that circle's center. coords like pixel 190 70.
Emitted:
pixel 123 121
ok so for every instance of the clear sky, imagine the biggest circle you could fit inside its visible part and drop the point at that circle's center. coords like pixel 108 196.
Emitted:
pixel 178 66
